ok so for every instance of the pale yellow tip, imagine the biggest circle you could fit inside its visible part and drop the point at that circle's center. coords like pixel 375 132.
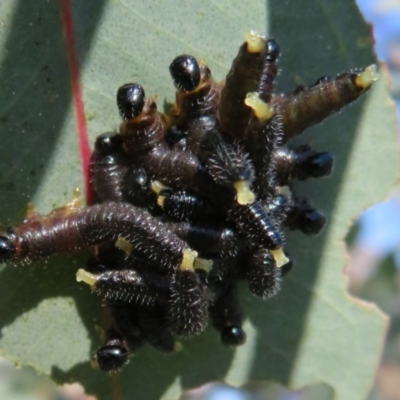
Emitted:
pixel 188 259
pixel 255 42
pixel 263 111
pixel 244 194
pixel 30 210
pixel 87 277
pixel 202 263
pixel 94 363
pixel 160 201
pixel 366 78
pixel 280 257
pixel 285 190
pixel 157 186
pixel 178 346
pixel 124 245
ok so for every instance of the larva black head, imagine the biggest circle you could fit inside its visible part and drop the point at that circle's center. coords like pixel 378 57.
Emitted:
pixel 130 100
pixel 273 51
pixel 311 222
pixel 110 358
pixel 137 187
pixel 320 164
pixel 185 72
pixel 108 143
pixel 233 336
pixel 7 249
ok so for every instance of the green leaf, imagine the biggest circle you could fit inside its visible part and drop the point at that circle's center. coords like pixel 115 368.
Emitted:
pixel 312 332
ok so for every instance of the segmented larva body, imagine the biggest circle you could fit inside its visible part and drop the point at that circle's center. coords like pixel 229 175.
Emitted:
pixel 267 139
pixel 269 71
pixel 255 224
pixel 197 95
pixel 208 238
pixel 129 286
pixel 108 167
pixel 256 136
pixel 65 230
pixel 264 130
pixel 227 164
pixel 262 274
pixel 154 324
pixel 125 322
pixel 227 316
pixel 143 133
pixel 313 104
pixel 243 78
pixel 187 309
pixel 301 163
pixel 183 206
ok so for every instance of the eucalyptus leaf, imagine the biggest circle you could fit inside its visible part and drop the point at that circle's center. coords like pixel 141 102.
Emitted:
pixel 312 331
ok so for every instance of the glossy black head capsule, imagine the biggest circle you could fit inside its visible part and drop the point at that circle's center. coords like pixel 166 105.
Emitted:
pixel 130 100
pixel 137 188
pixel 7 249
pixel 185 72
pixel 273 51
pixel 110 358
pixel 311 222
pixel 108 143
pixel 233 336
pixel 320 164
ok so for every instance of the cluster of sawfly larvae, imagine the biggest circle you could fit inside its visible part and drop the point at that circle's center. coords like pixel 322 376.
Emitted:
pixel 191 202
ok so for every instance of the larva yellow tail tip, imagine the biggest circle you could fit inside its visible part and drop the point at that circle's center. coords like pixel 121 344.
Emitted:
pixel 255 42
pixel 263 111
pixel 366 78
pixel 244 194
pixel 94 364
pixel 124 245
pixel 157 186
pixel 188 258
pixel 204 264
pixel 160 201
pixel 178 346
pixel 86 277
pixel 280 257
pixel 30 209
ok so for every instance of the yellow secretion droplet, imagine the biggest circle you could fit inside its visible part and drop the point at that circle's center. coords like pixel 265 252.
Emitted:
pixel 178 346
pixel 244 194
pixel 30 210
pixel 255 42
pixel 160 201
pixel 157 186
pixel 124 245
pixel 188 258
pixel 263 111
pixel 202 263
pixel 366 78
pixel 87 277
pixel 280 257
